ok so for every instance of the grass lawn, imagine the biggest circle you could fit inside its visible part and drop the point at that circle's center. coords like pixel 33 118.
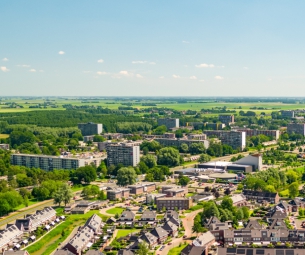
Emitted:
pixel 284 193
pixel 3 136
pixel 176 250
pixel 159 217
pixel 31 202
pixel 51 240
pixel 125 232
pixel 116 210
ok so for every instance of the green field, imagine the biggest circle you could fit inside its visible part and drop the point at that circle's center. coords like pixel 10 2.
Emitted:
pixel 172 104
pixel 176 250
pixel 115 210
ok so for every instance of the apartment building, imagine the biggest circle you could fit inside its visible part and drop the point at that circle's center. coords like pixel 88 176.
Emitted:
pixel 227 119
pixel 142 188
pixel 169 123
pixel 236 139
pixel 174 191
pixel 171 203
pixel 127 154
pixel 114 194
pixel 259 251
pixel 49 163
pixel 90 128
pixel 177 142
pixel 297 128
pixel 288 114
pixel 197 136
pixel 255 132
pixel 214 126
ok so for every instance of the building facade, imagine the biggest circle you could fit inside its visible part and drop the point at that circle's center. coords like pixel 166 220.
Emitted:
pixel 236 139
pixel 171 203
pixel 287 114
pixel 255 132
pixel 169 123
pixel 227 119
pixel 297 128
pixel 127 154
pixel 90 128
pixel 49 163
pixel 177 142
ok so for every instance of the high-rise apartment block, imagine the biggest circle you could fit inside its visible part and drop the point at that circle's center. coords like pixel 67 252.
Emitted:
pixel 227 119
pixel 235 139
pixel 297 128
pixel 287 114
pixel 49 163
pixel 169 123
pixel 255 132
pixel 127 154
pixel 90 128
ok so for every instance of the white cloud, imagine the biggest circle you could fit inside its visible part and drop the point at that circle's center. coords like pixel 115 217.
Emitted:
pixel 5 59
pixel 176 76
pixel 61 52
pixel 218 77
pixel 26 66
pixel 143 62
pixel 161 77
pixel 139 76
pixel 4 69
pixel 269 79
pixel 204 65
pixel 32 70
pixel 246 68
pixel 185 42
pixel 193 77
pixel 100 73
pixel 126 73
pixel 100 61
pixel 201 80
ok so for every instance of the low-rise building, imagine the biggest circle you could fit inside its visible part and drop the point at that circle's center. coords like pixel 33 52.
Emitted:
pixel 260 197
pixel 4 146
pixel 258 251
pixel 127 217
pixel 117 193
pixel 239 200
pixel 85 206
pixel 142 188
pixel 152 198
pixel 174 191
pixel 172 203
pixel 148 217
pixel 8 236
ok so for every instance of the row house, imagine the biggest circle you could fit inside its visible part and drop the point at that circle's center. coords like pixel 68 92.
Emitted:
pixel 200 245
pixel 41 217
pixel 8 236
pixel 148 217
pixel 258 251
pixel 127 217
pixel 261 196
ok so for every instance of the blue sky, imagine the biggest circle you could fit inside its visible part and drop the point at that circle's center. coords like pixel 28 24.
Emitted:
pixel 152 48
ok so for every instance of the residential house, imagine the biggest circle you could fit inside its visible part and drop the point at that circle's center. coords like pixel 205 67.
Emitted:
pixel 150 239
pixel 9 235
pixel 297 203
pixel 239 200
pixel 261 196
pixel 193 250
pixel 41 217
pixel 95 223
pixel 171 228
pixel 148 217
pixel 127 217
pixel 258 251
pixel 253 224
pixel 63 252
pixel 160 233
pixel 200 245
pixel 16 253
pixel 124 252
pixel 278 224
pixel 172 216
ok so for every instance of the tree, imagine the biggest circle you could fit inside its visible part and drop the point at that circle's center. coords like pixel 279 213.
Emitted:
pixel 292 176
pixel 169 157
pixel 63 194
pixel 197 228
pixel 227 192
pixel 43 193
pixel 183 180
pixel 126 176
pixel 204 158
pixel 216 194
pixel 149 160
pixel 246 212
pixel 102 169
pixel 227 203
pixel 293 189
pixel 143 249
pixel 240 214
pixel 270 188
pixel 86 174
pixel 197 148
pixel 184 148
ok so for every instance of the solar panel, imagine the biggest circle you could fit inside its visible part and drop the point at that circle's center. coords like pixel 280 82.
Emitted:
pixel 260 252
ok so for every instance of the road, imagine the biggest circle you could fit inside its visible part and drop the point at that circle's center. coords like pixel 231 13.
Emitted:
pixel 188 223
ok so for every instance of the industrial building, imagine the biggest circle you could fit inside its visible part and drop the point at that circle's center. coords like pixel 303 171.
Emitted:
pixel 169 123
pixel 49 163
pixel 90 128
pixel 236 139
pixel 127 154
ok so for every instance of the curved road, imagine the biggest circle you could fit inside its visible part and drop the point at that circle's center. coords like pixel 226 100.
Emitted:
pixel 188 223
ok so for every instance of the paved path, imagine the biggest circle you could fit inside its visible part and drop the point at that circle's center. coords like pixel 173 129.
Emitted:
pixel 188 223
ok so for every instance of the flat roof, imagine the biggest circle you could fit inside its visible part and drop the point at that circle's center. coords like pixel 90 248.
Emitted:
pixel 217 163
